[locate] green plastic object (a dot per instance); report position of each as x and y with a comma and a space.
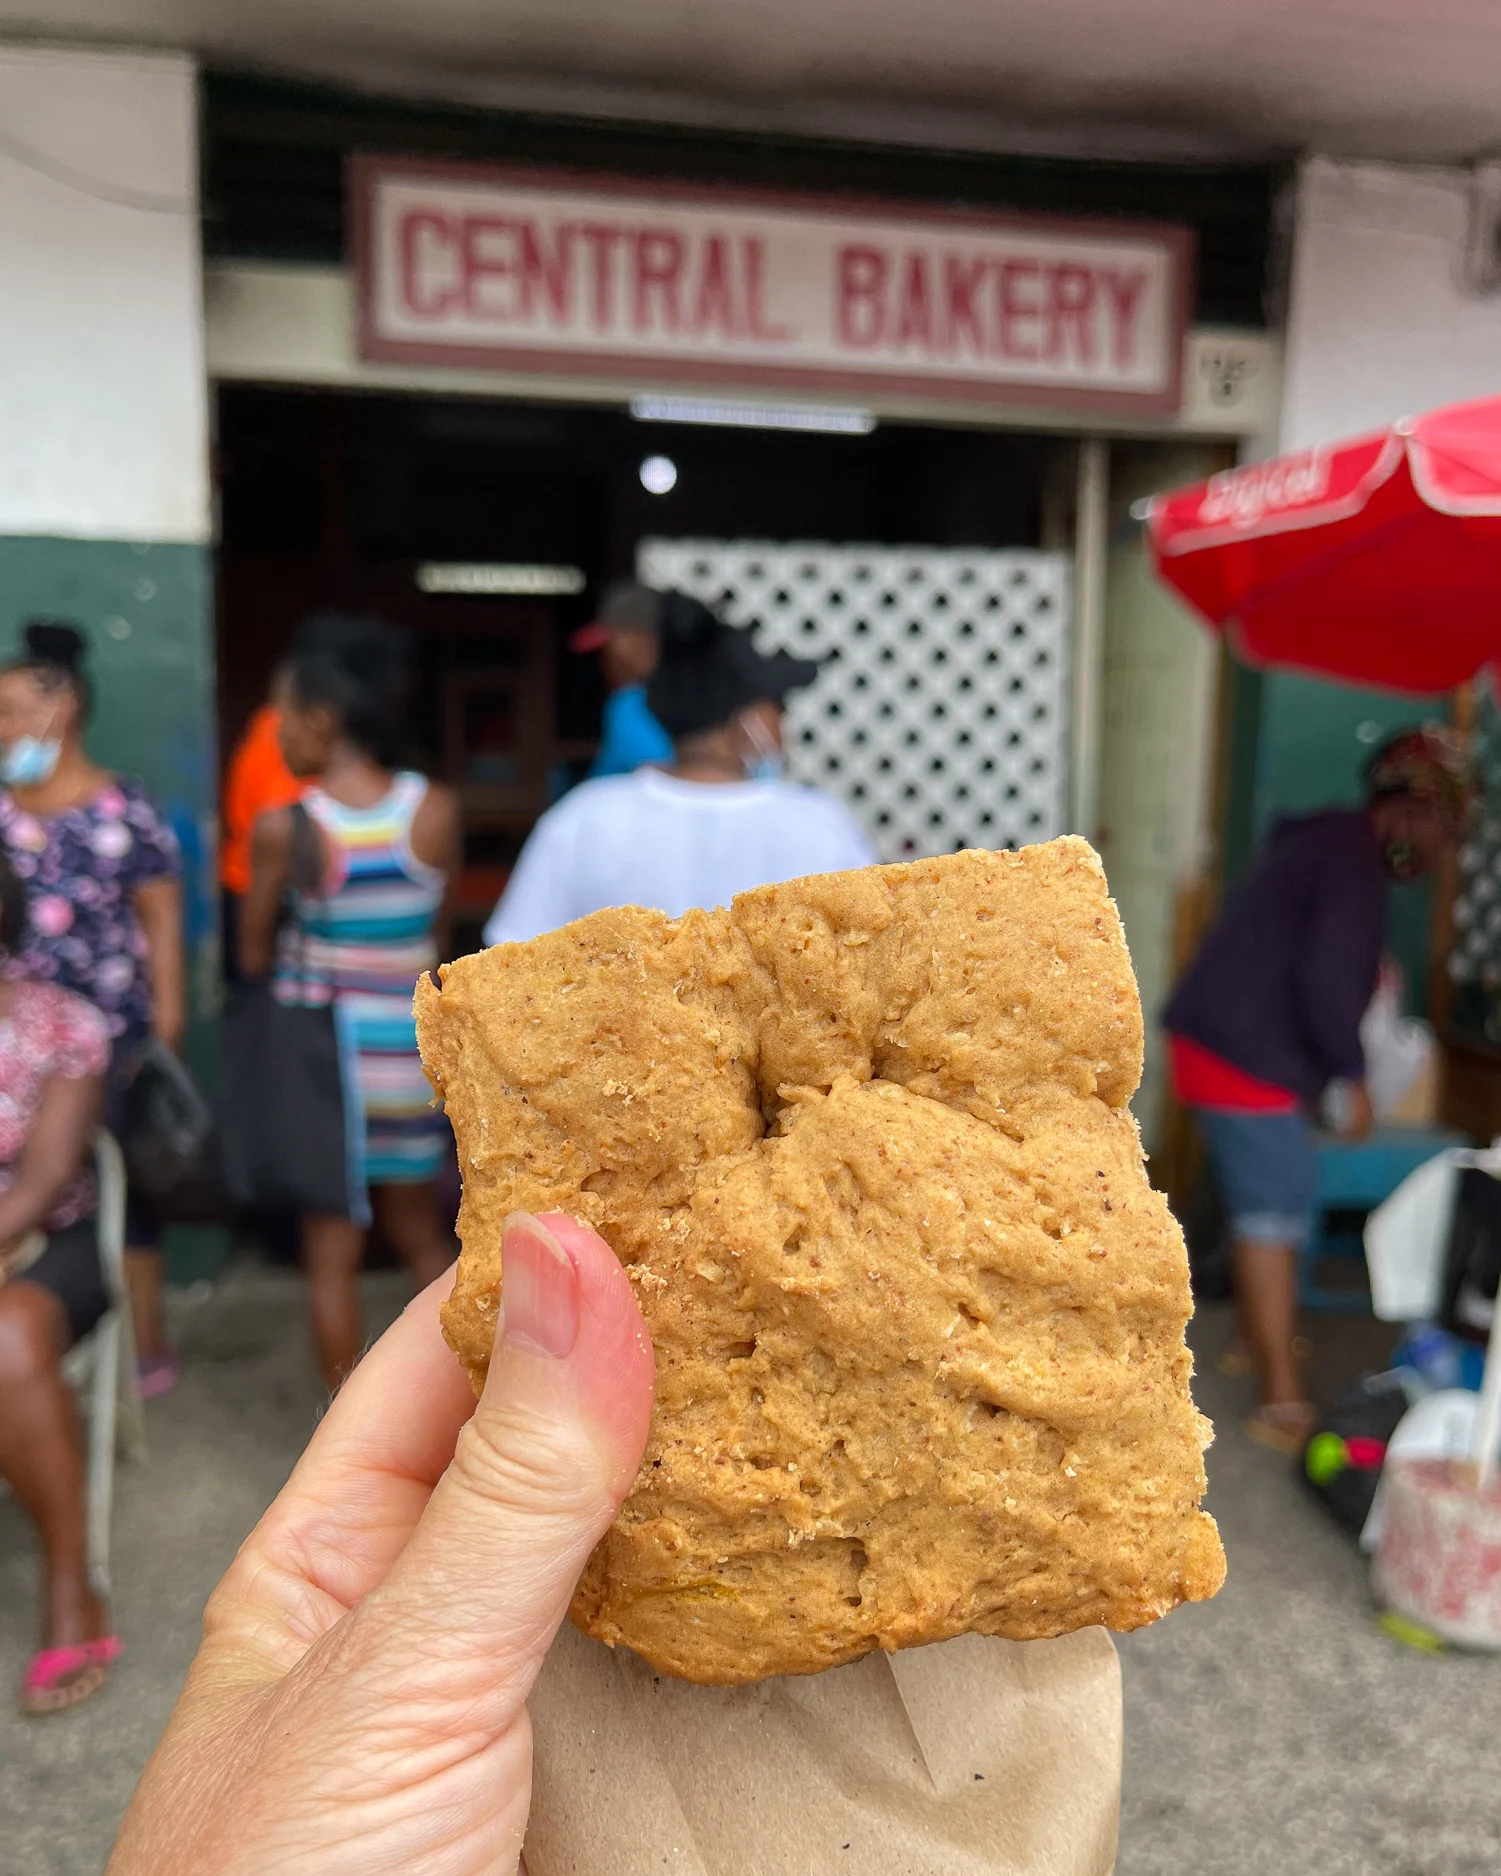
1326, 1457
1411, 1634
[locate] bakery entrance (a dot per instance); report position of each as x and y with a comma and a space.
489, 530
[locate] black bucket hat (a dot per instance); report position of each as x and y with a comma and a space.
708, 671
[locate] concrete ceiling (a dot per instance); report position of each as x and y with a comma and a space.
1377, 78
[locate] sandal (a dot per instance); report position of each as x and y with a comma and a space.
58, 1678
1283, 1426
1235, 1358
158, 1375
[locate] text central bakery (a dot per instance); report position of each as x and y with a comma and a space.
614, 279
490, 267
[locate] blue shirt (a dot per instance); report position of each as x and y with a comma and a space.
632, 735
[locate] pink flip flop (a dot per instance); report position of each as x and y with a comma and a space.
159, 1375
47, 1687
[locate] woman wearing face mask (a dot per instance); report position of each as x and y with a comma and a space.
101, 868
719, 821
1269, 1013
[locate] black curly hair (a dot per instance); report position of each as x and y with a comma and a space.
356, 669
56, 653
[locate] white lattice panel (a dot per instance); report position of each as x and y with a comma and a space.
940, 717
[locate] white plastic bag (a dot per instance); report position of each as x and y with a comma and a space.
1440, 1426
1401, 1061
1398, 1049
1406, 1236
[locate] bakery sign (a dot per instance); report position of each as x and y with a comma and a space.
536, 271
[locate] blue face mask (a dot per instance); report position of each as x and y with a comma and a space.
766, 769
30, 761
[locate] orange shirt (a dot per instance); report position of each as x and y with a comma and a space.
257, 781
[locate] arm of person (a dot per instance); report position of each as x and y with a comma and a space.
56, 1146
270, 857
438, 841
158, 904
1360, 1116
346, 1692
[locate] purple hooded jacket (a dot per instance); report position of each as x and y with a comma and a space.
1281, 982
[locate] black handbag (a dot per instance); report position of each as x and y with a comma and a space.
1472, 1257
1343, 1459
168, 1138
291, 1130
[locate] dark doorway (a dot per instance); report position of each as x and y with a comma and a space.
332, 500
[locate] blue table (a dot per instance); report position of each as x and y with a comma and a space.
1357, 1176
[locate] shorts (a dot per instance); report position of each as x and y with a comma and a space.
70, 1269
1266, 1170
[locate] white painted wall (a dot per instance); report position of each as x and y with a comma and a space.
1379, 324
103, 401
1157, 743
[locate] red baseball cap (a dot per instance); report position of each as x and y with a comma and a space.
627, 606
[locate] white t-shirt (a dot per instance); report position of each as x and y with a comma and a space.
650, 839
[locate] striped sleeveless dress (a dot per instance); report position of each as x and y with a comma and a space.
362, 946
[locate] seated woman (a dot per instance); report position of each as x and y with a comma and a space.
54, 1049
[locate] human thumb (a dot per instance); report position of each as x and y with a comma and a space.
537, 1477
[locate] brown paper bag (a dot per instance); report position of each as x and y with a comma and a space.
973, 1757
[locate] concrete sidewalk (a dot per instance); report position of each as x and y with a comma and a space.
1273, 1732
1276, 1731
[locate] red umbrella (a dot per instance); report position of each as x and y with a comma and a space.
1378, 561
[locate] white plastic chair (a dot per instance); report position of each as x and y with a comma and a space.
102, 1365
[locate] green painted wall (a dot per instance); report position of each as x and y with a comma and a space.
148, 612
1312, 740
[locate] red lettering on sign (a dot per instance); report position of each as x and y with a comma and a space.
424, 231
714, 307
1123, 291
828, 294
1011, 310
489, 248
601, 240
1070, 304
914, 318
659, 262
860, 302
757, 325
551, 271
962, 323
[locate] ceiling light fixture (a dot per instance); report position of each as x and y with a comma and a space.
482, 578
659, 475
834, 419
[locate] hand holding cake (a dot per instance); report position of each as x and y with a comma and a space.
358, 1699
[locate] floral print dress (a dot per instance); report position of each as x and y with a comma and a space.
47, 1032
82, 869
